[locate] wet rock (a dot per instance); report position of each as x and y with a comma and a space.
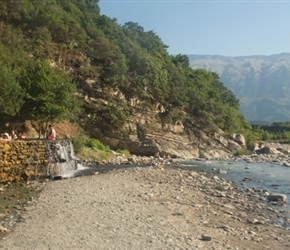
220, 171
247, 179
57, 178
275, 197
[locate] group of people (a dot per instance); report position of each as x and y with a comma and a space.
51, 135
7, 137
157, 156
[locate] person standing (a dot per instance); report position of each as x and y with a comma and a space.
13, 135
51, 133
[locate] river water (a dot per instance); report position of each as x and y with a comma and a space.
263, 176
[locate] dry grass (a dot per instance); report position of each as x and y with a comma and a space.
67, 130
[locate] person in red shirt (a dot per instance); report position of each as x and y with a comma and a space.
51, 133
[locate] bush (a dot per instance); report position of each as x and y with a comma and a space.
91, 149
124, 152
79, 143
95, 143
243, 152
92, 154
173, 116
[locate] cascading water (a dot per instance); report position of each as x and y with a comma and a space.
61, 159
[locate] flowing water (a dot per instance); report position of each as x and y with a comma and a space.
62, 160
263, 176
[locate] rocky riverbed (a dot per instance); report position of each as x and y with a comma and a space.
150, 207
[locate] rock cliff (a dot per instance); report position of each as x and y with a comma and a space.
144, 134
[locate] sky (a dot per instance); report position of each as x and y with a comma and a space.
227, 28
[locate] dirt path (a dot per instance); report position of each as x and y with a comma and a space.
146, 208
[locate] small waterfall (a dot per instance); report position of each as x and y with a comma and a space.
61, 159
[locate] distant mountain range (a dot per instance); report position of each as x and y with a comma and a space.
261, 83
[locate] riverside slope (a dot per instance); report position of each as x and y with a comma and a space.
147, 208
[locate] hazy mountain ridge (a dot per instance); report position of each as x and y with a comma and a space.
261, 83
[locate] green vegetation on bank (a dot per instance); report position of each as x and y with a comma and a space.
93, 149
243, 152
277, 131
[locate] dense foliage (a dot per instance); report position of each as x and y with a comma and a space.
276, 131
49, 95
72, 36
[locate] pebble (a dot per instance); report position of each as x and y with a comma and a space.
125, 208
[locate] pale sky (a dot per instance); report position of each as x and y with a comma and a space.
228, 28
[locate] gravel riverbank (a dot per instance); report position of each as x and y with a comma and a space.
147, 208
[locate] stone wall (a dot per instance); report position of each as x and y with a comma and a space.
22, 160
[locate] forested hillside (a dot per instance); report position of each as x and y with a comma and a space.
62, 60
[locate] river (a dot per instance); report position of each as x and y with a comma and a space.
263, 176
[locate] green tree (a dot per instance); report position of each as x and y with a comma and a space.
12, 47
50, 96
11, 94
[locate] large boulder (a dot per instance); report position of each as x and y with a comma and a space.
275, 197
263, 150
233, 146
268, 150
239, 139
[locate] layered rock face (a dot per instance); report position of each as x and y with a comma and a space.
145, 135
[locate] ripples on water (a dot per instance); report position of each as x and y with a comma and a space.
264, 176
